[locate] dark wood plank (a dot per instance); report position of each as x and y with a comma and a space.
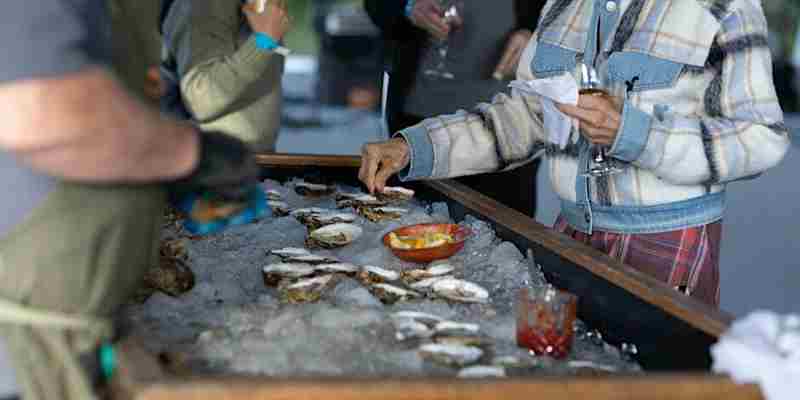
668, 387
307, 160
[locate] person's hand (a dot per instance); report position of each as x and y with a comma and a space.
428, 16
510, 60
379, 161
273, 22
154, 86
600, 117
226, 168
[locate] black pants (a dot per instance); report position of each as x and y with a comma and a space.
515, 189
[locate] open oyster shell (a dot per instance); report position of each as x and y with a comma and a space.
333, 236
275, 273
312, 189
389, 294
279, 208
482, 372
378, 214
372, 275
274, 195
306, 290
316, 221
364, 200
451, 354
395, 194
416, 275
337, 268
460, 290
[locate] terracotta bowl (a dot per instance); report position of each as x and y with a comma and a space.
423, 256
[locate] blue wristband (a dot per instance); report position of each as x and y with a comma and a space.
409, 8
264, 42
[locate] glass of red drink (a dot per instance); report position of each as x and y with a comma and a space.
545, 319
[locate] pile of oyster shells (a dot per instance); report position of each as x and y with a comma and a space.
303, 277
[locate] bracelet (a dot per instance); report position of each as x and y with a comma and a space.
265, 42
409, 8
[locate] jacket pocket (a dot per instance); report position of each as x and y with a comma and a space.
552, 60
643, 71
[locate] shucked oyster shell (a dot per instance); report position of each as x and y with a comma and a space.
460, 290
377, 214
274, 273
311, 259
316, 221
371, 275
425, 318
337, 268
482, 371
389, 294
364, 200
415, 275
306, 290
426, 284
406, 329
312, 189
451, 354
302, 213
394, 194
332, 236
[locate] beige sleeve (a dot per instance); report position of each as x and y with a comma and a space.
215, 70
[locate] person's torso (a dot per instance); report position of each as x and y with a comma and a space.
26, 189
253, 116
473, 53
654, 56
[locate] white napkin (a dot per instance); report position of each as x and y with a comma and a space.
560, 89
762, 348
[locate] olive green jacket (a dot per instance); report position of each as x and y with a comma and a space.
227, 83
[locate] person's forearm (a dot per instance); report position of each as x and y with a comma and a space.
85, 127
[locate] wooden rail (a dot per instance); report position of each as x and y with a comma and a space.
660, 387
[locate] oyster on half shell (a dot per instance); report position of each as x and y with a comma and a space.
460, 290
395, 194
407, 329
306, 290
415, 275
337, 268
275, 273
451, 354
453, 328
316, 221
289, 252
312, 189
311, 259
364, 200
274, 195
333, 236
389, 294
482, 372
426, 285
372, 275
378, 214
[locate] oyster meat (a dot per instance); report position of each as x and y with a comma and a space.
389, 294
451, 354
482, 372
415, 275
279, 208
460, 290
395, 194
306, 290
371, 275
337, 268
312, 189
332, 236
274, 273
377, 214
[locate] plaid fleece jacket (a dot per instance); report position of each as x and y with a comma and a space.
700, 107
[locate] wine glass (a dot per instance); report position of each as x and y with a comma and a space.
592, 85
453, 13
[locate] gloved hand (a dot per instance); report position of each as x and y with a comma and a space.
223, 189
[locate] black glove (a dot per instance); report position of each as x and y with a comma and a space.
226, 168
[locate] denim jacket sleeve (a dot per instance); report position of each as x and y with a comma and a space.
740, 132
500, 135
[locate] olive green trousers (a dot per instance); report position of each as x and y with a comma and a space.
77, 257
